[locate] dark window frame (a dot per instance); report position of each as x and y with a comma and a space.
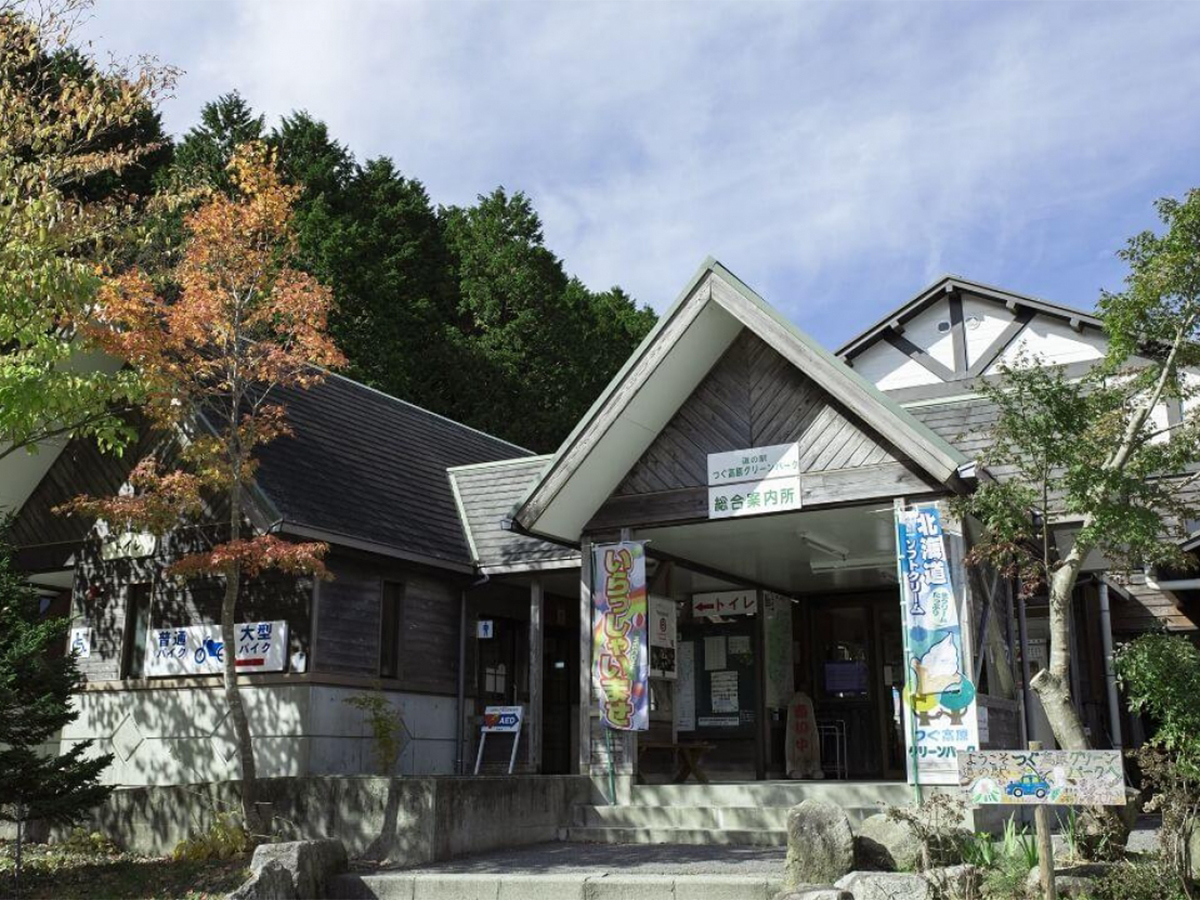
132, 664
391, 628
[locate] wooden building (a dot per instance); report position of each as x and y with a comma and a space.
462, 564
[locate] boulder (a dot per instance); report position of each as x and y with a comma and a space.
296, 870
887, 845
1070, 881
820, 844
886, 886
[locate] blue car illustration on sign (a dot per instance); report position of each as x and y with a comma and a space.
1028, 785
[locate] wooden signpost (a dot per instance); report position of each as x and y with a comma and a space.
1043, 778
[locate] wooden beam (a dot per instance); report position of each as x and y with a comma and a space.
1000, 344
958, 335
915, 353
537, 615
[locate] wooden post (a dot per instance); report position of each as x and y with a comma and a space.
537, 614
1041, 820
585, 657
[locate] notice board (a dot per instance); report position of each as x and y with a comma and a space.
725, 679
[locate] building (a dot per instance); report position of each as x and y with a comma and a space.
464, 567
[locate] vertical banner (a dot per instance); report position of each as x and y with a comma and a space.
777, 621
619, 640
939, 698
685, 688
662, 638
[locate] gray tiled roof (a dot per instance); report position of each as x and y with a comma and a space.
368, 466
488, 495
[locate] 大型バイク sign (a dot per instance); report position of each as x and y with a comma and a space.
199, 650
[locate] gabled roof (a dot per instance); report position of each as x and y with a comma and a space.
487, 494
950, 283
365, 468
688, 339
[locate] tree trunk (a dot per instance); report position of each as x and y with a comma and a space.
1053, 684
20, 836
233, 699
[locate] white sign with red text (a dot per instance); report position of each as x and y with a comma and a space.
725, 603
198, 649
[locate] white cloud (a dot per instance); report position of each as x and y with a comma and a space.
836, 156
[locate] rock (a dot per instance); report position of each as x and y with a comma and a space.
820, 844
1070, 881
886, 886
961, 882
886, 845
272, 882
296, 870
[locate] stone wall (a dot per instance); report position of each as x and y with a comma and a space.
409, 821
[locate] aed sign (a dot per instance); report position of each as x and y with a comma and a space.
754, 481
502, 719
199, 650
725, 603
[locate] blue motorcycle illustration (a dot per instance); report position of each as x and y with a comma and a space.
212, 648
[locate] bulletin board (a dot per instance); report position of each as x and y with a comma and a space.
725, 679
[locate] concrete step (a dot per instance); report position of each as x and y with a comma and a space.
577, 886
754, 818
735, 837
786, 794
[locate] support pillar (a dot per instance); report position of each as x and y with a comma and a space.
1110, 673
585, 657
537, 615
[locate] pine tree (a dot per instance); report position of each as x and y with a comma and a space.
36, 683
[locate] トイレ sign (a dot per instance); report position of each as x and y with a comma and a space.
199, 650
1032, 777
754, 481
725, 603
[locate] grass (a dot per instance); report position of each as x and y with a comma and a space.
70, 871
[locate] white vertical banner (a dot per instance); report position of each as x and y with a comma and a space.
685, 687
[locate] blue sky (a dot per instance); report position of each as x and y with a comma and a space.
837, 157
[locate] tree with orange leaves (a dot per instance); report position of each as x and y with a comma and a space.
240, 324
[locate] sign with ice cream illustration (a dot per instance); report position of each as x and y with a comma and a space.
939, 708
1030, 777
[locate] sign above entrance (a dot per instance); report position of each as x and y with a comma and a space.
754, 481
725, 603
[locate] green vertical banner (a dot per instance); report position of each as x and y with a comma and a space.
620, 646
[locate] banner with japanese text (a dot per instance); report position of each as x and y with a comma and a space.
939, 698
199, 650
620, 646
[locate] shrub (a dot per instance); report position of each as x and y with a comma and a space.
1138, 881
225, 838
387, 729
937, 825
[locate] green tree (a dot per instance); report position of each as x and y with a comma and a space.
75, 136
203, 155
36, 683
1092, 451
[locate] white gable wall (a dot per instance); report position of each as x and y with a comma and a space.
983, 322
1055, 342
890, 369
922, 330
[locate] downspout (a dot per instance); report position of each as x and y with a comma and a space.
460, 731
1110, 674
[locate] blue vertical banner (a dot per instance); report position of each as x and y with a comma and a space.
620, 649
941, 719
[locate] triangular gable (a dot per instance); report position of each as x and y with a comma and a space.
976, 325
706, 320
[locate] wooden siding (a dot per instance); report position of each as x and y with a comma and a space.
348, 612
429, 660
753, 397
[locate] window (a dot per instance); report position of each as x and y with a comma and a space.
389, 633
137, 625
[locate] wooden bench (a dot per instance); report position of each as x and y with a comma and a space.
686, 755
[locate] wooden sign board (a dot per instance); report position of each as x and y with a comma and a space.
1043, 777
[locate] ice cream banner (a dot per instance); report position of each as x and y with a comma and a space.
939, 709
620, 651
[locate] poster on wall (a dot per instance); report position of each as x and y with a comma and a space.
621, 668
723, 691
662, 638
198, 649
777, 623
685, 687
939, 710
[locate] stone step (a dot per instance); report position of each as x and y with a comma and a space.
739, 837
847, 794
577, 886
754, 818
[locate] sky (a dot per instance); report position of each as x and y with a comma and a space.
837, 157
